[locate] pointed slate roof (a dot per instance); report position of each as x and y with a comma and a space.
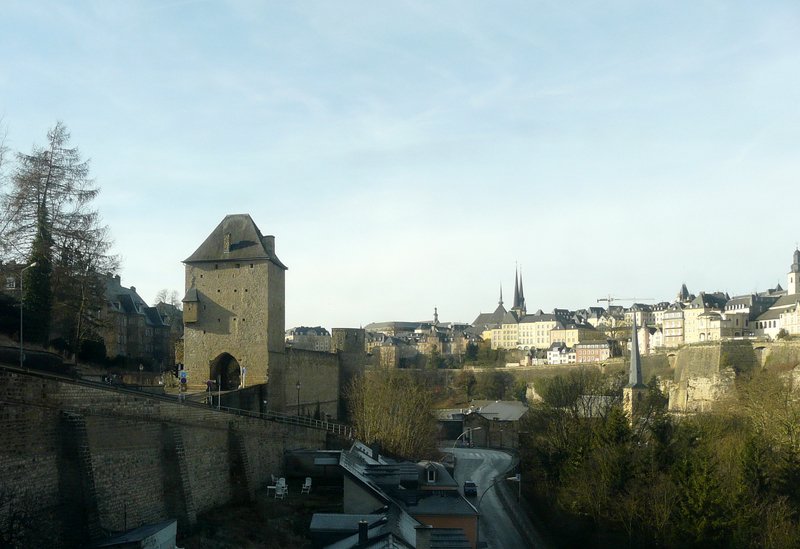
635, 377
244, 244
516, 304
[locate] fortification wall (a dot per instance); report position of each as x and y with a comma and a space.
318, 375
704, 374
77, 460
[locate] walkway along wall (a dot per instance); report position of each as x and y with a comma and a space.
79, 461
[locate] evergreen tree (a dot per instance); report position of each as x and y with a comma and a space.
38, 298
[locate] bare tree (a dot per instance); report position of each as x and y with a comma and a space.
395, 409
49, 218
170, 297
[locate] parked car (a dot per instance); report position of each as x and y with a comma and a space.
470, 488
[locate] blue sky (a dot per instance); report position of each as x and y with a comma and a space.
407, 154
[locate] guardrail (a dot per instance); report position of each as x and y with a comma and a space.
340, 429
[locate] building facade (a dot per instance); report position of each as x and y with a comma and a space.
314, 338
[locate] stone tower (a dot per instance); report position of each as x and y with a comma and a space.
794, 275
634, 392
234, 312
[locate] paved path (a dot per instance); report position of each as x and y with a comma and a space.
495, 527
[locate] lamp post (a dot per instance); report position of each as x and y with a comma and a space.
298, 396
21, 308
469, 430
515, 478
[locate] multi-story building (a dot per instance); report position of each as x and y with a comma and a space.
673, 325
593, 351
643, 314
534, 330
314, 338
131, 329
172, 316
658, 313
571, 334
700, 305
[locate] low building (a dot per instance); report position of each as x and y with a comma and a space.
559, 353
495, 424
423, 491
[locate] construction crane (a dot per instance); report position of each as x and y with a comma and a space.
609, 299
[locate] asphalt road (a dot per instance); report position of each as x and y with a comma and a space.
494, 527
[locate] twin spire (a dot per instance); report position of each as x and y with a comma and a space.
519, 293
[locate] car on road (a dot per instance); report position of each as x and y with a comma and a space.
470, 488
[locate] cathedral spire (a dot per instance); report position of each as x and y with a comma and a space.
521, 293
516, 289
501, 295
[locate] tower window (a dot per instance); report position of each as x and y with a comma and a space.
216, 265
238, 265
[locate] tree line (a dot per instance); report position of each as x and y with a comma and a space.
728, 478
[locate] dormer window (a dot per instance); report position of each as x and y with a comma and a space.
431, 475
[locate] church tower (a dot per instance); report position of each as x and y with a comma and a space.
794, 275
634, 392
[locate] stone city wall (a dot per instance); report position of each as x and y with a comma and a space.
78, 461
318, 375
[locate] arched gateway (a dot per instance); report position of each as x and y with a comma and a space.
225, 369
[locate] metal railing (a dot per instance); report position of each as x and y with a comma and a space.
340, 429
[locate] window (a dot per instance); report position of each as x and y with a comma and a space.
238, 265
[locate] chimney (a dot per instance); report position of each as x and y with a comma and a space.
363, 532
423, 536
118, 279
269, 244
133, 289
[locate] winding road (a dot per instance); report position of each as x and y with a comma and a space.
495, 527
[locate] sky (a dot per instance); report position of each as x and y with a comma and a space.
408, 155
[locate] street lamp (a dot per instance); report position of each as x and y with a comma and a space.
298, 396
21, 308
515, 478
469, 430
